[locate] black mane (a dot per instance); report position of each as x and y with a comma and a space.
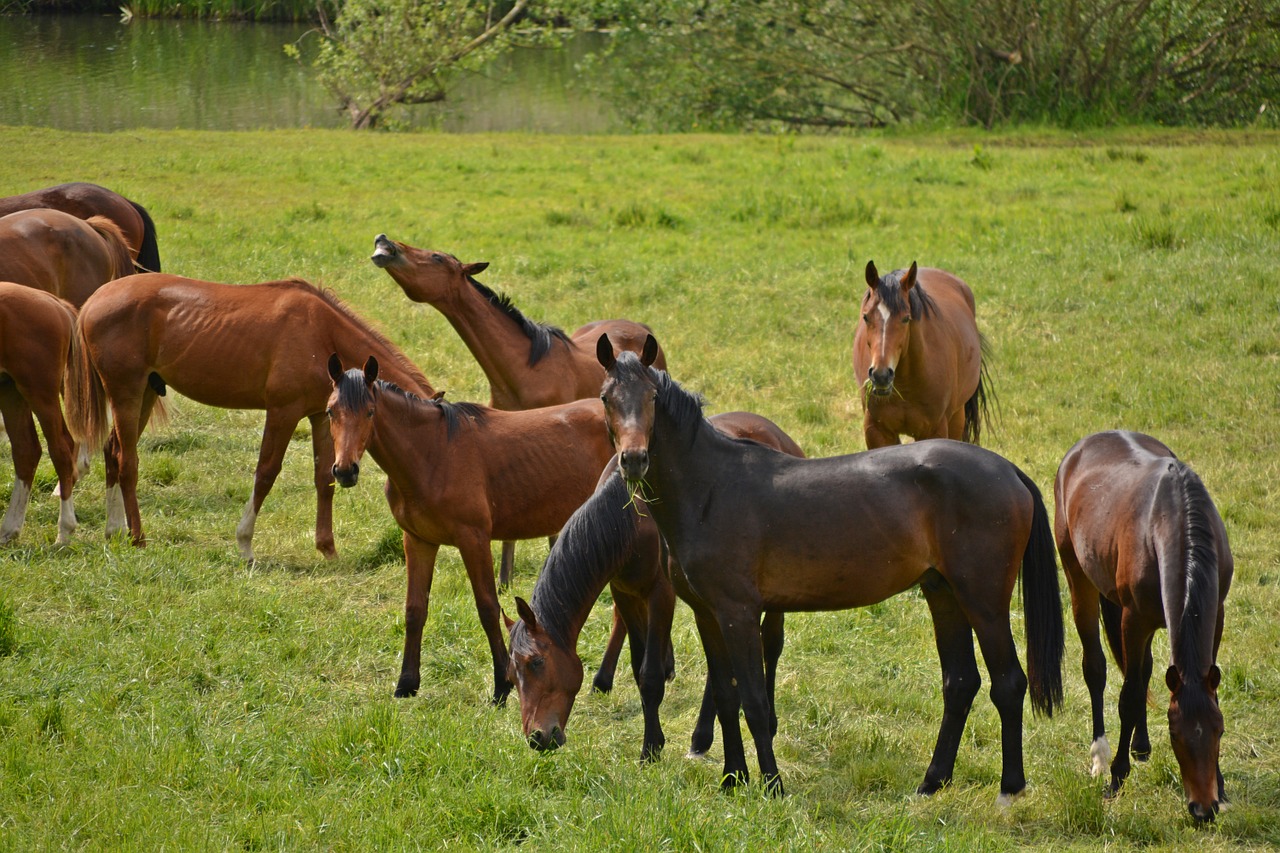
1200, 607
682, 405
890, 290
353, 392
540, 335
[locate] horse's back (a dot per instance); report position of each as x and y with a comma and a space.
757, 428
625, 335
32, 322
83, 200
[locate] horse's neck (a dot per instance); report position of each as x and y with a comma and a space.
496, 341
684, 461
403, 431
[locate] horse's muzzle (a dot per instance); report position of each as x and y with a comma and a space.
384, 251
881, 381
634, 463
543, 742
1201, 814
346, 477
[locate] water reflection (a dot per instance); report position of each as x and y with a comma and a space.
97, 74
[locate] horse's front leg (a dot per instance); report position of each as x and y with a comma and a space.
740, 627
1133, 695
875, 433
276, 433
420, 566
323, 454
478, 559
603, 680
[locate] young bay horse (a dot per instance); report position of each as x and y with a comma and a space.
261, 346
1142, 542
611, 539
528, 364
37, 337
463, 475
85, 200
755, 530
62, 254
920, 358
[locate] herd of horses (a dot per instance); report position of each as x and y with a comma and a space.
587, 440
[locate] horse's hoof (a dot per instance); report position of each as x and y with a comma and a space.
1005, 800
405, 691
696, 754
601, 685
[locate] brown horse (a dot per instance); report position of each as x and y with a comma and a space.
37, 337
1142, 542
62, 254
611, 539
462, 474
88, 200
258, 346
755, 530
529, 365
920, 357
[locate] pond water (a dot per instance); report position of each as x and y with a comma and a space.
95, 73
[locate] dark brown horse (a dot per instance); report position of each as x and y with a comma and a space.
85, 201
611, 539
463, 475
755, 530
920, 358
62, 254
528, 364
260, 346
1142, 543
37, 337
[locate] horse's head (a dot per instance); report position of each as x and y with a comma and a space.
886, 315
351, 408
423, 275
629, 392
1195, 727
547, 676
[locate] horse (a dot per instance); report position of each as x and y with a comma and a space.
260, 346
85, 201
611, 539
1142, 543
62, 254
463, 475
755, 530
528, 364
37, 338
920, 357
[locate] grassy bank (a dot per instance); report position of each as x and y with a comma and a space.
176, 697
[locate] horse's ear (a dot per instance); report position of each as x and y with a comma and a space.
1213, 678
873, 275
909, 280
370, 371
650, 351
1172, 680
335, 367
604, 352
437, 397
526, 613
508, 621
472, 269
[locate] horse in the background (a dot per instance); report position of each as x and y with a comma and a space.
85, 201
920, 358
261, 346
37, 337
611, 539
62, 254
1142, 542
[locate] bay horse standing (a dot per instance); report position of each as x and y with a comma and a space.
463, 475
755, 530
37, 337
528, 364
920, 357
261, 346
1142, 543
62, 254
611, 539
85, 200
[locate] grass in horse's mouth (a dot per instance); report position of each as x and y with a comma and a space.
869, 388
638, 489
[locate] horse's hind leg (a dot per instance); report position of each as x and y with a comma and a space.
960, 678
62, 450
507, 567
603, 680
322, 451
1085, 607
25, 444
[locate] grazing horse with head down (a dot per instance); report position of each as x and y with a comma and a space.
920, 358
85, 200
1142, 543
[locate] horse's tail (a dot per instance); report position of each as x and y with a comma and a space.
84, 394
118, 248
149, 252
977, 408
1042, 609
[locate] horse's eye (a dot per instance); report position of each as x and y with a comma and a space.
535, 664
866, 318
328, 413
906, 319
369, 413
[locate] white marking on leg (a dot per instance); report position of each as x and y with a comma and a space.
17, 511
244, 531
66, 521
116, 520
1100, 757
1004, 801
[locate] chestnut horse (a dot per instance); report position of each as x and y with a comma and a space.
62, 254
528, 364
37, 337
85, 201
1142, 542
611, 539
920, 357
756, 530
260, 346
462, 474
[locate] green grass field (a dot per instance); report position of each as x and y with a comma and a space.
176, 698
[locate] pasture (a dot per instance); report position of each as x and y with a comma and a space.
177, 697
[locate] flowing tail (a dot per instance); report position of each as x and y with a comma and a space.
149, 252
1042, 609
976, 408
117, 246
84, 395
